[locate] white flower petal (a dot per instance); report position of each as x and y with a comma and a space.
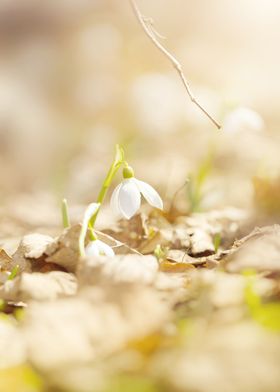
149, 193
99, 248
115, 199
90, 211
105, 249
129, 198
92, 249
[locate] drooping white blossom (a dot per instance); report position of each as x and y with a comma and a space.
126, 198
99, 248
90, 211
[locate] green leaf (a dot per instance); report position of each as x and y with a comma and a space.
20, 379
266, 314
126, 383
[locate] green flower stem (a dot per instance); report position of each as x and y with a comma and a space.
65, 214
90, 211
93, 209
118, 161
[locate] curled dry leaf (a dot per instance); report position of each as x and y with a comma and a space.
193, 234
201, 243
176, 261
173, 237
143, 233
5, 266
5, 260
227, 222
31, 249
119, 247
260, 250
39, 287
130, 232
64, 251
122, 268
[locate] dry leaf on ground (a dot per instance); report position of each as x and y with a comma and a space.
260, 251
39, 286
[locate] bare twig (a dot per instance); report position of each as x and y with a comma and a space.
151, 25
147, 26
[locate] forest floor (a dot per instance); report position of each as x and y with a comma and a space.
188, 303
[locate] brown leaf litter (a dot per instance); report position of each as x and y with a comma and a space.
180, 320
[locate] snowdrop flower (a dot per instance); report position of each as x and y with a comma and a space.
126, 198
95, 247
244, 120
99, 248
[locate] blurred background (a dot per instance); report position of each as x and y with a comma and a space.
76, 77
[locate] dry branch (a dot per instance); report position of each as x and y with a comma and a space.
148, 28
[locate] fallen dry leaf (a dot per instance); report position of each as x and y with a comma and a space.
64, 251
260, 250
31, 248
5, 260
122, 268
39, 286
95, 323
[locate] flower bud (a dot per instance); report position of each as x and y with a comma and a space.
128, 172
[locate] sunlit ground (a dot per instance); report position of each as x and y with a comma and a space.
78, 77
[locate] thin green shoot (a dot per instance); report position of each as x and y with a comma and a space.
118, 161
217, 241
14, 272
90, 211
160, 253
65, 214
197, 181
2, 305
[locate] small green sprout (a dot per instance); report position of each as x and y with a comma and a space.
217, 241
14, 272
196, 183
2, 305
65, 214
266, 314
160, 253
